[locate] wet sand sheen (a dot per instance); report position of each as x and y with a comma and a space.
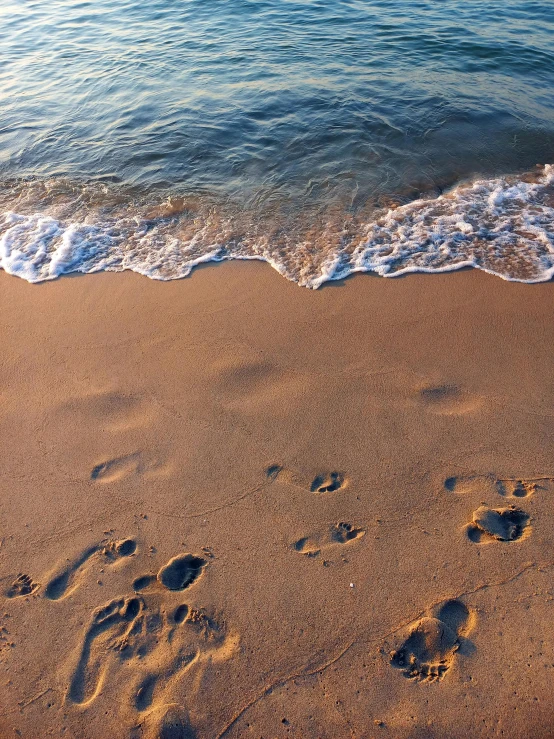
231, 507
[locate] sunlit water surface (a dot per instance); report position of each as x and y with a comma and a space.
324, 137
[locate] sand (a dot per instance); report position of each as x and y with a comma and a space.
233, 507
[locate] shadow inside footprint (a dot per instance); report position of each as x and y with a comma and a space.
307, 546
440, 393
450, 484
448, 399
329, 483
454, 614
517, 488
181, 571
123, 548
180, 614
114, 469
145, 693
143, 582
22, 585
272, 472
522, 489
168, 722
339, 533
110, 629
501, 524
429, 650
61, 584
344, 532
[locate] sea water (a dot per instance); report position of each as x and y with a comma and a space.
324, 137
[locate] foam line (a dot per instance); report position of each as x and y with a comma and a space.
504, 226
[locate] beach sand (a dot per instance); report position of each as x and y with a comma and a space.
356, 484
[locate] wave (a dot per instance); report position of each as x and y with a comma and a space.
504, 226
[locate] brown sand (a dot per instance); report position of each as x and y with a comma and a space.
342, 468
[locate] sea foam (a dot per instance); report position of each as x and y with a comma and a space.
504, 226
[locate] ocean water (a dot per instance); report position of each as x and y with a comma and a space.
322, 136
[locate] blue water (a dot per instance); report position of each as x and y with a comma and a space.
264, 123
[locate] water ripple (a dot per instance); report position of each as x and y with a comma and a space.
301, 107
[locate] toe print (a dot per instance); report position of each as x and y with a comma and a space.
22, 585
429, 650
323, 482
339, 533
327, 483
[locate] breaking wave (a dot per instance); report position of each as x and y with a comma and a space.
504, 226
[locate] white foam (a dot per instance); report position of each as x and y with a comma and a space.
504, 226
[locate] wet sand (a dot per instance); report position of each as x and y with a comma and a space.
233, 507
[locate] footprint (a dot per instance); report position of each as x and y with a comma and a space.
145, 649
120, 467
5, 642
308, 546
273, 471
143, 582
168, 721
490, 484
180, 614
181, 571
448, 399
500, 524
509, 488
114, 410
122, 548
478, 484
110, 632
178, 574
329, 482
432, 642
22, 585
154, 681
65, 582
188, 637
344, 532
325, 482
339, 533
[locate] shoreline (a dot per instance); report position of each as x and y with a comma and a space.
502, 226
324, 457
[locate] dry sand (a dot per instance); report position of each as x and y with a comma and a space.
357, 484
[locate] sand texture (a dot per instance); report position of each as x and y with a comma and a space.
232, 507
